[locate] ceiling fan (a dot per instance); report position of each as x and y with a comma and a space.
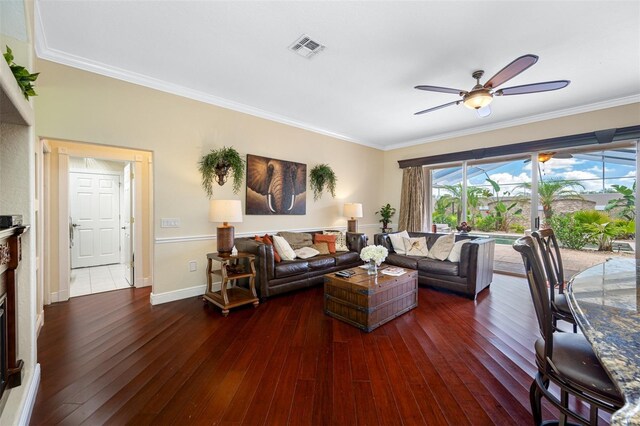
481, 95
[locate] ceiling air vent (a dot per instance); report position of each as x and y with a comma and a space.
306, 47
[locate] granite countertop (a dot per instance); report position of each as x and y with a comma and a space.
605, 300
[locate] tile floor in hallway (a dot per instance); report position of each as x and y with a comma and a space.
97, 279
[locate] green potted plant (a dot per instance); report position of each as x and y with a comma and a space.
322, 176
217, 165
386, 212
22, 76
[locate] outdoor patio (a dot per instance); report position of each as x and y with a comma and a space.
509, 261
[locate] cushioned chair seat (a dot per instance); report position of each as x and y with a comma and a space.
346, 257
321, 262
576, 362
404, 261
441, 267
287, 268
561, 304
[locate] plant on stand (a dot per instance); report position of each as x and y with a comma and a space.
386, 212
217, 165
375, 255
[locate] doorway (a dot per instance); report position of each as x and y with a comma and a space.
100, 221
94, 174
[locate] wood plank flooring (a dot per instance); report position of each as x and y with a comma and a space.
112, 358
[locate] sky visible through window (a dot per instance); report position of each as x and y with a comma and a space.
596, 171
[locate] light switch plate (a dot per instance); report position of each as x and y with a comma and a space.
170, 222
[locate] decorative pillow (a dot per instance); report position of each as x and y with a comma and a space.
454, 256
323, 248
297, 239
306, 252
442, 247
341, 240
397, 242
268, 241
329, 239
416, 246
283, 248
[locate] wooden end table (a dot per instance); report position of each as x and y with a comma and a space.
230, 296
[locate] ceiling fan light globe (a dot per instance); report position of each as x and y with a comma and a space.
477, 99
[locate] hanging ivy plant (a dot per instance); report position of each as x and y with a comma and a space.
217, 165
22, 76
322, 176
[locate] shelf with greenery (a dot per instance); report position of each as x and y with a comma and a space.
321, 177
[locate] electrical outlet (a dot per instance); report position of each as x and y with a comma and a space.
193, 266
170, 222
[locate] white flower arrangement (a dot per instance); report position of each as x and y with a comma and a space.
376, 253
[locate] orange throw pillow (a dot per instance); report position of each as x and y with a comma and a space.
329, 239
267, 240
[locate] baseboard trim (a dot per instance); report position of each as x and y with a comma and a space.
172, 296
30, 400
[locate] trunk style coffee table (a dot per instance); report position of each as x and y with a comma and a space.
368, 301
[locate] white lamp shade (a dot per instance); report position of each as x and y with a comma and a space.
225, 211
353, 209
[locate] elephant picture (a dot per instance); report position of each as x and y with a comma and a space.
275, 187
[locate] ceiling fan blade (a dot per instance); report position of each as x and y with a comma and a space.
510, 71
533, 88
438, 107
484, 112
442, 90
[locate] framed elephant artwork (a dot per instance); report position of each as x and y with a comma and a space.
275, 187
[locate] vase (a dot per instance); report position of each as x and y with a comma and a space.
373, 268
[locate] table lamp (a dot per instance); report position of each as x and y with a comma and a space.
353, 210
225, 211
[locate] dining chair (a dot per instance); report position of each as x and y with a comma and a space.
552, 261
565, 359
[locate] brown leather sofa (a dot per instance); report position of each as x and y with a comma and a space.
472, 274
275, 278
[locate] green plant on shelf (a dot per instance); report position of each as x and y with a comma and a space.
23, 77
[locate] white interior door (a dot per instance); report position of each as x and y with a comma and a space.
95, 207
126, 224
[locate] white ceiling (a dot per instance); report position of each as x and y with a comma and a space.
360, 88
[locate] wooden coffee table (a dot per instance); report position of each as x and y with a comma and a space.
368, 301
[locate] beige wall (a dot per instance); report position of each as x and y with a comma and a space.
81, 106
622, 116
103, 152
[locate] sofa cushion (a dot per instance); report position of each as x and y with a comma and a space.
454, 256
291, 267
323, 248
397, 242
346, 257
266, 239
329, 239
341, 240
321, 262
284, 249
442, 247
297, 239
416, 246
306, 252
440, 267
410, 262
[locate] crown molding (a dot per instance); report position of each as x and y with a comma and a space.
520, 121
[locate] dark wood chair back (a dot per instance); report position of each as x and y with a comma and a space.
539, 291
551, 257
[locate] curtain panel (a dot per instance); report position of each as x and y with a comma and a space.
412, 211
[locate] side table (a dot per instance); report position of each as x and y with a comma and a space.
230, 295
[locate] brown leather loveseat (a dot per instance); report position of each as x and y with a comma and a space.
275, 278
469, 276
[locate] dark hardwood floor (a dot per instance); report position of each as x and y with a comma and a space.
112, 358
